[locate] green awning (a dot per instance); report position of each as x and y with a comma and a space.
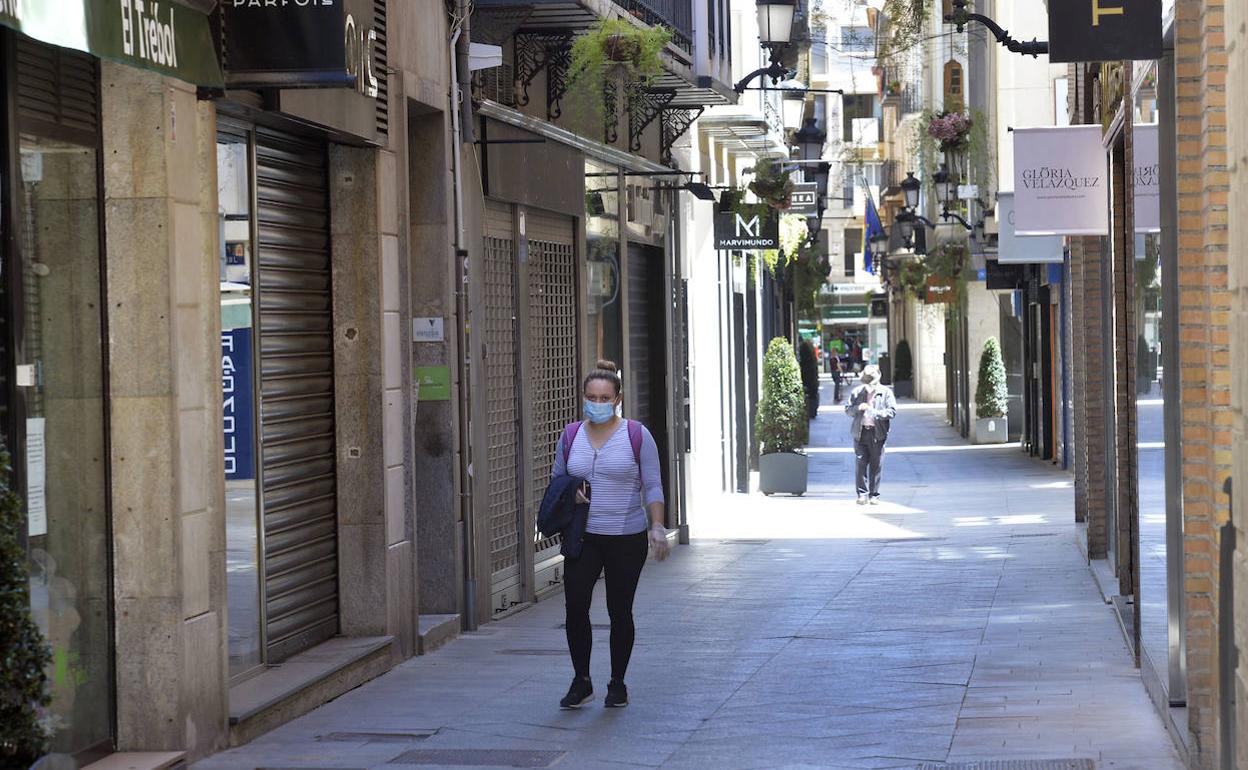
157, 35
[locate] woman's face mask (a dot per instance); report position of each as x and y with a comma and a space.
599, 413
601, 401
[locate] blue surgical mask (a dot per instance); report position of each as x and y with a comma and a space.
599, 413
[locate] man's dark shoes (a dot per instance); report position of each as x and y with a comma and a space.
580, 693
617, 695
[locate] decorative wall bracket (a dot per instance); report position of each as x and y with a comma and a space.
537, 51
644, 105
674, 122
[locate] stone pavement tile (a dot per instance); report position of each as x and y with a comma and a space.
957, 621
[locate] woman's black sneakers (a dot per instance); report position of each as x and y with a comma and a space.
617, 695
580, 693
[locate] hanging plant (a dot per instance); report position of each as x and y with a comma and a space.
912, 278
952, 130
773, 185
615, 48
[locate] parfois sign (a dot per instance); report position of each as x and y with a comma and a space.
301, 44
756, 229
1104, 30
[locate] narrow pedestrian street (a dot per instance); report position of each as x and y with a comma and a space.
955, 622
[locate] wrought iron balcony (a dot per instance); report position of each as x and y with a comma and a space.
501, 18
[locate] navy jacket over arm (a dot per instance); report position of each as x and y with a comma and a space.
560, 513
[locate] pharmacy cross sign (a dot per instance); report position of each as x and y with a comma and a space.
757, 229
1104, 30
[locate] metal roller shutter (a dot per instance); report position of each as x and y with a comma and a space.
296, 392
552, 369
502, 413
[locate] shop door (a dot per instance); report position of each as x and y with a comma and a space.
53, 391
499, 335
646, 372
552, 335
296, 386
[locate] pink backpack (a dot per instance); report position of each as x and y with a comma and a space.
634, 438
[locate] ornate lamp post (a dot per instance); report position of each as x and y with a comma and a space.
775, 32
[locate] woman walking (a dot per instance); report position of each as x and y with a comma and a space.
620, 461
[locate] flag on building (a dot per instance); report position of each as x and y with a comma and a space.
874, 227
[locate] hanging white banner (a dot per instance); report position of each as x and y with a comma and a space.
1060, 181
1147, 179
1014, 249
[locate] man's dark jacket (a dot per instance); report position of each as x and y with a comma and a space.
561, 513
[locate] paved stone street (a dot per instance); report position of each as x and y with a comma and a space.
956, 622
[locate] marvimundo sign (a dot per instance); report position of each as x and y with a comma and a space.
158, 35
755, 229
1060, 181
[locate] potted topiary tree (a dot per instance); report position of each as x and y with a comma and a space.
781, 423
903, 371
992, 397
23, 678
809, 366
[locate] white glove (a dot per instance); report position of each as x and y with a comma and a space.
658, 541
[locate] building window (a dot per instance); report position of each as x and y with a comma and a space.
819, 57
856, 107
857, 40
853, 247
953, 85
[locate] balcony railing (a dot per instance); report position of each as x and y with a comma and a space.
676, 15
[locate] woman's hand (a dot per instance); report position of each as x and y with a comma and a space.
658, 541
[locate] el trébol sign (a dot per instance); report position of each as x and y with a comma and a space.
1104, 30
756, 229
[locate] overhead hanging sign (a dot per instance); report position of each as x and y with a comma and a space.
160, 36
1022, 249
804, 199
301, 44
1060, 181
940, 291
1147, 203
757, 228
1104, 30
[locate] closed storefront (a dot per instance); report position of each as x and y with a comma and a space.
53, 395
530, 335
278, 381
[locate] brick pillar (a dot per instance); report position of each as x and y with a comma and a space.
1200, 59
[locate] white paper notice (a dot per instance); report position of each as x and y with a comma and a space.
36, 478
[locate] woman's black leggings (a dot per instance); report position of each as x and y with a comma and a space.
621, 557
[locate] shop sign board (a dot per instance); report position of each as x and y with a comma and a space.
301, 44
998, 276
940, 291
846, 313
1147, 187
1022, 249
755, 230
1104, 30
804, 199
164, 37
1060, 181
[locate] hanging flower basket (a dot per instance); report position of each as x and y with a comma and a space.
773, 186
952, 130
622, 49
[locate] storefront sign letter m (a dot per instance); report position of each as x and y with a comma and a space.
753, 228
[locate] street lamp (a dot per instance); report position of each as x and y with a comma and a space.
775, 22
793, 103
819, 174
809, 140
879, 242
814, 224
775, 31
910, 190
945, 188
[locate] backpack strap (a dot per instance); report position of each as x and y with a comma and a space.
635, 438
569, 436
